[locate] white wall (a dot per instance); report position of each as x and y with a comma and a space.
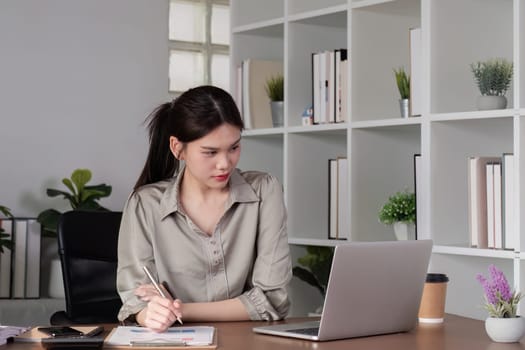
77, 79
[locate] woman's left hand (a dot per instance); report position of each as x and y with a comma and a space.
147, 291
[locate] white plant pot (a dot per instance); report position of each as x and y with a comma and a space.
56, 282
505, 330
404, 231
491, 102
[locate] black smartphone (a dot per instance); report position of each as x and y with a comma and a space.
61, 331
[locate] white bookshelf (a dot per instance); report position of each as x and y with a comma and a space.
379, 144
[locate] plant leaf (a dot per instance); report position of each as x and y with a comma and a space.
69, 185
80, 178
49, 220
51, 192
6, 211
308, 277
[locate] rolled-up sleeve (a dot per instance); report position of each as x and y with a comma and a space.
267, 299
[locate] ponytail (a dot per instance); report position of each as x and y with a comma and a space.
160, 164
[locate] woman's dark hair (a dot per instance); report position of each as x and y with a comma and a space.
190, 116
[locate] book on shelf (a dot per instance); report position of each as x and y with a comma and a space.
329, 86
238, 90
477, 199
416, 74
343, 199
19, 258
5, 261
343, 92
507, 201
316, 86
418, 191
491, 209
332, 198
256, 111
341, 85
32, 281
498, 228
338, 208
20, 266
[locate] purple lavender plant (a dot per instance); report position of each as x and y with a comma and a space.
500, 301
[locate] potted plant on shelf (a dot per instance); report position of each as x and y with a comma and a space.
316, 268
493, 78
5, 238
275, 90
400, 211
403, 85
502, 325
80, 197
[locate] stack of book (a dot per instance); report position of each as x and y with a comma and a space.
338, 199
330, 86
490, 202
20, 266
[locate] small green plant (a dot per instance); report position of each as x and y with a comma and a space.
401, 207
80, 197
5, 239
275, 88
318, 261
493, 76
403, 83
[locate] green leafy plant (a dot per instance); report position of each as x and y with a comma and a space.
275, 88
318, 261
493, 76
5, 239
500, 300
80, 197
400, 207
403, 82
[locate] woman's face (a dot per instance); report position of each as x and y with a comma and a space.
211, 159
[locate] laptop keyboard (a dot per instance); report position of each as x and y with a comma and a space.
307, 331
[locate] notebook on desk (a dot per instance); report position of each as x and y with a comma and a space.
374, 288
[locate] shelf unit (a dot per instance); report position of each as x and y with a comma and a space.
379, 144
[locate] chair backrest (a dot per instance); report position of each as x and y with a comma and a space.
87, 242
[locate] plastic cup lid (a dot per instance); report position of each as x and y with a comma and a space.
436, 278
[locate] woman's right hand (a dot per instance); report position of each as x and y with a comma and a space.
160, 313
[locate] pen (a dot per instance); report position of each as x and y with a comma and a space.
157, 287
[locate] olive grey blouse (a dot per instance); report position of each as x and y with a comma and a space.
247, 256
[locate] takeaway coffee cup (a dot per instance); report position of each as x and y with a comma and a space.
432, 307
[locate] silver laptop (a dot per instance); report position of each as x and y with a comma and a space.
374, 288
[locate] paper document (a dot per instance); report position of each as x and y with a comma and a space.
140, 336
10, 331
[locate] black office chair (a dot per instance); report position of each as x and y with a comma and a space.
87, 242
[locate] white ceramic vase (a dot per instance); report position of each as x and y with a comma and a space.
505, 330
404, 231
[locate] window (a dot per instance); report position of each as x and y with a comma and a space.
199, 39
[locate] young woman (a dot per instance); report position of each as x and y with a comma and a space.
213, 235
